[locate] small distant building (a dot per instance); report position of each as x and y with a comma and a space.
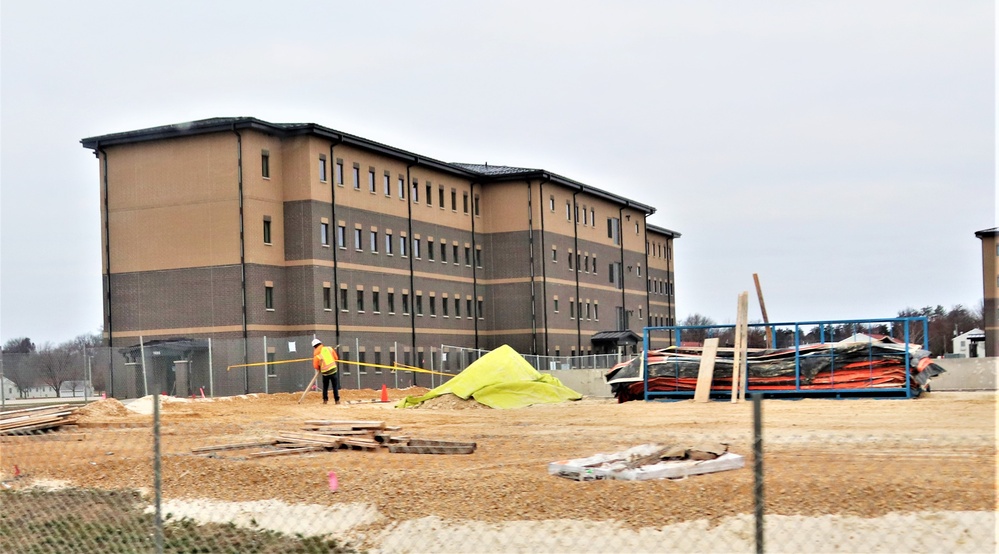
10, 391
40, 390
970, 344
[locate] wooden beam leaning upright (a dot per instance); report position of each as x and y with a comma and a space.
763, 309
706, 372
739, 352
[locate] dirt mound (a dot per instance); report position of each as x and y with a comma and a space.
451, 402
106, 407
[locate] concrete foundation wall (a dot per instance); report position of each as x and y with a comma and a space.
966, 374
588, 382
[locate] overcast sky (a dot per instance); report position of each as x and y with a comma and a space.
844, 151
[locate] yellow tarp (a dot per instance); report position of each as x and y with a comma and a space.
501, 379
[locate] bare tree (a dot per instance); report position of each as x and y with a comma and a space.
56, 365
695, 335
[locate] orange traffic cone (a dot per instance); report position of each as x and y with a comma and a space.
384, 393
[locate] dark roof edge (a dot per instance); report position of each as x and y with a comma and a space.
567, 182
987, 232
662, 231
228, 124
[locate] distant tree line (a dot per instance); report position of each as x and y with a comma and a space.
28, 366
943, 326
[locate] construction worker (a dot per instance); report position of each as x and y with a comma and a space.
324, 360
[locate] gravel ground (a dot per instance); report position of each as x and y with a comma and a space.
823, 458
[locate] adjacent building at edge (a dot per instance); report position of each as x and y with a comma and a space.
237, 228
990, 285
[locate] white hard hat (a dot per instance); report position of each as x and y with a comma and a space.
316, 342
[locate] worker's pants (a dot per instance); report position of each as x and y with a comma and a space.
331, 379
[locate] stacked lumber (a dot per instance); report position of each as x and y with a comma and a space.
29, 420
328, 435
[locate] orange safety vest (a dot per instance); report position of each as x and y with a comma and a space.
325, 360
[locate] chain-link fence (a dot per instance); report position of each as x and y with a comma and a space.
276, 472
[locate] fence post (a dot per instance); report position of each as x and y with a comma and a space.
211, 371
758, 468
157, 477
142, 354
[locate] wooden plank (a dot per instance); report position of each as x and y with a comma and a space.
347, 423
16, 413
763, 309
272, 453
406, 449
336, 431
707, 370
311, 438
44, 437
429, 442
739, 354
233, 446
33, 419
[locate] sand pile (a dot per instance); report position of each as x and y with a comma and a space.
109, 407
451, 402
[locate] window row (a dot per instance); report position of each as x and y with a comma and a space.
386, 241
585, 310
660, 286
658, 249
363, 300
658, 320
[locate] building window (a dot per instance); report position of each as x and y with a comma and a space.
388, 243
440, 196
593, 218
554, 255
267, 230
551, 203
464, 202
405, 303
613, 229
468, 308
271, 370
341, 236
419, 304
478, 257
596, 311
339, 172
572, 309
402, 188
568, 211
324, 234
587, 309
371, 181
357, 239
375, 302
586, 264
570, 260
357, 177
555, 302
639, 312
269, 297
327, 299
387, 185
391, 302
454, 253
585, 220
457, 307
322, 168
265, 164
443, 252
343, 300
374, 242
454, 200
430, 200
402, 246
430, 249
360, 301
416, 191
639, 268
478, 308
476, 201
433, 306
444, 307
416, 248
468, 256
